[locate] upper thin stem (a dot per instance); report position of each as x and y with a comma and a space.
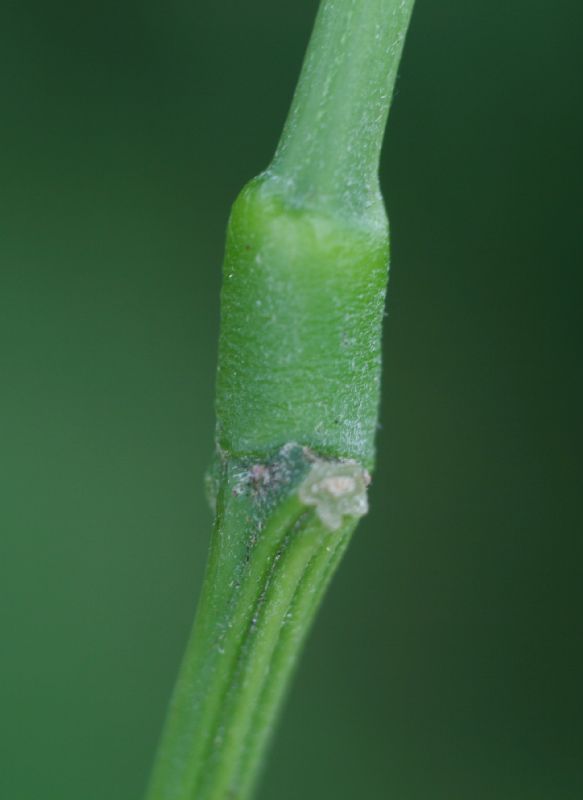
330, 148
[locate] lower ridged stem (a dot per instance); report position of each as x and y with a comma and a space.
260, 595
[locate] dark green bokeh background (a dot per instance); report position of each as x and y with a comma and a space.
446, 664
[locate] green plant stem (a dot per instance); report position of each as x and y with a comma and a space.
305, 275
331, 144
259, 597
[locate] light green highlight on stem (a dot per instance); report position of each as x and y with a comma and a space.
300, 345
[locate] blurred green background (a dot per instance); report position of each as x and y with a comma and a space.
447, 662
